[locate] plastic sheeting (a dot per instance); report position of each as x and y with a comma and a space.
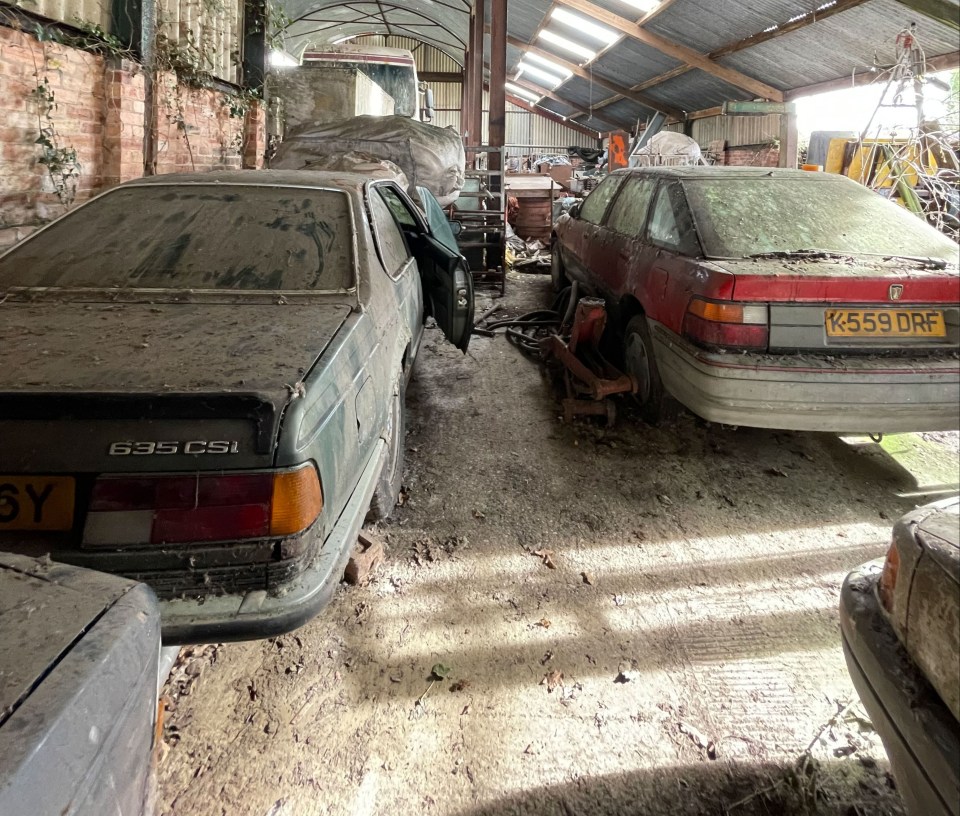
666, 148
429, 156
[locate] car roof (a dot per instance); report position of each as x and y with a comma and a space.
706, 171
269, 178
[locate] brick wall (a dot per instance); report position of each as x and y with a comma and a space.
758, 155
99, 110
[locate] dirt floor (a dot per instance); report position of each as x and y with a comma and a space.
571, 620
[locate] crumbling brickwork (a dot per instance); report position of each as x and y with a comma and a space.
96, 106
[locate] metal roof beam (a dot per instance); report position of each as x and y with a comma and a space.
672, 49
942, 11
747, 42
589, 76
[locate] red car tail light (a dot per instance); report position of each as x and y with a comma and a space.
202, 507
726, 325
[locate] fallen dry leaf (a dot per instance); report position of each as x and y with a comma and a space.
544, 623
699, 739
587, 578
552, 679
460, 685
775, 471
546, 556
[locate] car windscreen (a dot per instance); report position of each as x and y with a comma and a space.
740, 217
223, 237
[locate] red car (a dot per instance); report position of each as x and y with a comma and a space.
772, 298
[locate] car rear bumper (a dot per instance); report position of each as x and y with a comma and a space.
810, 392
920, 734
259, 613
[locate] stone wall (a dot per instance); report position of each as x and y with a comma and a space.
97, 107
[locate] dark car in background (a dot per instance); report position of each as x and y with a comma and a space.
900, 623
202, 385
772, 298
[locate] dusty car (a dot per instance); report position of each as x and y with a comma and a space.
202, 385
771, 298
900, 622
78, 691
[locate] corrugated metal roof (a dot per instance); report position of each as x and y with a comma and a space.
839, 45
696, 90
634, 61
706, 24
826, 49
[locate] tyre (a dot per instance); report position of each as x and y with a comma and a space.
639, 361
387, 491
557, 273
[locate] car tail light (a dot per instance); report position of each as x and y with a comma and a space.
727, 325
888, 578
202, 507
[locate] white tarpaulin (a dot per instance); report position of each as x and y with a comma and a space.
667, 148
429, 156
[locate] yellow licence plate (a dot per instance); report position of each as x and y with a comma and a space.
36, 502
885, 323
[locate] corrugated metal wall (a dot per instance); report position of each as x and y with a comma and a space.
95, 12
523, 127
207, 31
736, 130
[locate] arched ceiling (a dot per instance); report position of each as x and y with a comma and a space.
674, 56
441, 23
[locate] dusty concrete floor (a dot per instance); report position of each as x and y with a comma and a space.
693, 600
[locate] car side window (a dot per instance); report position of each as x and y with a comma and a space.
596, 204
393, 246
630, 209
400, 210
671, 225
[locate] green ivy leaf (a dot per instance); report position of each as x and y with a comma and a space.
439, 671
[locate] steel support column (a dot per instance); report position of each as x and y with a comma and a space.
475, 100
498, 93
466, 88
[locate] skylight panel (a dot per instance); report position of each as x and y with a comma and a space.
549, 65
552, 80
584, 26
523, 93
642, 5
567, 44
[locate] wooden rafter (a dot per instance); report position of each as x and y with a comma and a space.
557, 98
942, 11
692, 58
613, 87
740, 45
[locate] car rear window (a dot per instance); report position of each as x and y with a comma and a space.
234, 237
739, 217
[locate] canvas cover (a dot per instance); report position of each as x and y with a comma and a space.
429, 156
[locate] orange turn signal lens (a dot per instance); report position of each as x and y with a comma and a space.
748, 313
297, 500
888, 578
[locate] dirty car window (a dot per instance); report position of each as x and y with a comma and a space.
740, 217
596, 203
194, 237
